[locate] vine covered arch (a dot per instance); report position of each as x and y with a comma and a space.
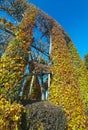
38, 59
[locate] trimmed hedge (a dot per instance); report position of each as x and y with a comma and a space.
44, 116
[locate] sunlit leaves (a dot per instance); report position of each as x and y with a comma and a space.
10, 115
69, 80
14, 60
81, 71
36, 90
64, 88
86, 60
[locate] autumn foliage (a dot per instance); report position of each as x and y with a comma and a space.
10, 115
69, 80
64, 88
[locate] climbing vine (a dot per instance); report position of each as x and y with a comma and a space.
81, 72
10, 115
64, 88
69, 79
14, 61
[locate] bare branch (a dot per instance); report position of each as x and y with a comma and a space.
45, 53
9, 31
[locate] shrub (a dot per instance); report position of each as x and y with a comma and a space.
45, 116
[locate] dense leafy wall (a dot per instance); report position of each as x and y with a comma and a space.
86, 61
64, 88
69, 80
14, 61
12, 70
80, 71
10, 115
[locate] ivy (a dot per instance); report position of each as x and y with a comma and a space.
81, 72
64, 89
10, 115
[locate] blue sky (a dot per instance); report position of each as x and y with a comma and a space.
73, 16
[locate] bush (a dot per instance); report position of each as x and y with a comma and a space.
45, 116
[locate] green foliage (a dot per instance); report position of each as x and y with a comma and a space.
12, 66
81, 72
64, 87
69, 85
42, 60
26, 88
10, 115
45, 116
14, 60
86, 60
36, 90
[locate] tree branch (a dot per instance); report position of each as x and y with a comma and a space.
9, 31
12, 33
45, 53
